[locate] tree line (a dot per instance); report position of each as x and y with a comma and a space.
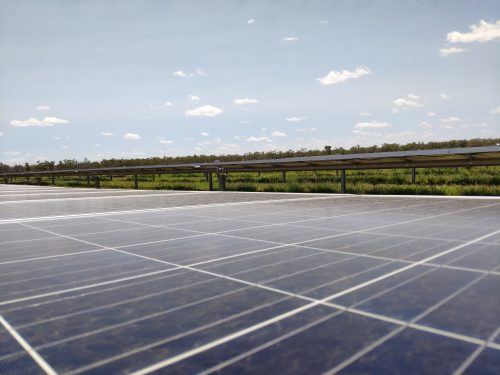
327, 150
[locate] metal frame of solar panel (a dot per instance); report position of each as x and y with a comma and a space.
102, 282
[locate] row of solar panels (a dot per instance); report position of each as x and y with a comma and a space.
452, 157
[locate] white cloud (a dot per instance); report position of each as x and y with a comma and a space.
306, 130
107, 134
132, 137
483, 32
12, 153
444, 96
181, 74
296, 119
250, 21
245, 122
54, 121
371, 125
166, 141
205, 134
200, 72
263, 129
258, 139
365, 114
43, 108
204, 111
1, 134
168, 104
277, 133
404, 103
335, 77
425, 125
450, 119
193, 98
451, 51
495, 111
290, 39
430, 114
47, 121
245, 101
324, 22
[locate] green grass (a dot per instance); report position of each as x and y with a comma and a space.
432, 181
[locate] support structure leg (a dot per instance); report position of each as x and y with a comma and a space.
136, 182
222, 182
283, 176
343, 189
210, 182
88, 181
413, 175
97, 182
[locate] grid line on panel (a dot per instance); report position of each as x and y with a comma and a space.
391, 334
27, 347
469, 360
94, 198
51, 256
84, 287
162, 209
99, 291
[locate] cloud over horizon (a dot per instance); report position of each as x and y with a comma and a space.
335, 77
481, 33
132, 137
47, 121
204, 111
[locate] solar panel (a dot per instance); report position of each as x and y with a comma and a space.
101, 282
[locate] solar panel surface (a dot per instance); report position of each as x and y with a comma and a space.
101, 282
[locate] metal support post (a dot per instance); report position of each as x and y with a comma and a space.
6, 180
136, 182
88, 181
97, 182
343, 189
210, 182
39, 180
153, 176
222, 181
283, 176
413, 175
53, 180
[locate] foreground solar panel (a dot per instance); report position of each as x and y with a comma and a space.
105, 282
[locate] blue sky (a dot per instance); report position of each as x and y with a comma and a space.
104, 79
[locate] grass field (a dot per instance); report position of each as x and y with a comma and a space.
436, 181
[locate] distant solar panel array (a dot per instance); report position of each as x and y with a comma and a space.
104, 282
454, 157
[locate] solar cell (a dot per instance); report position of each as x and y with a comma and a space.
185, 282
